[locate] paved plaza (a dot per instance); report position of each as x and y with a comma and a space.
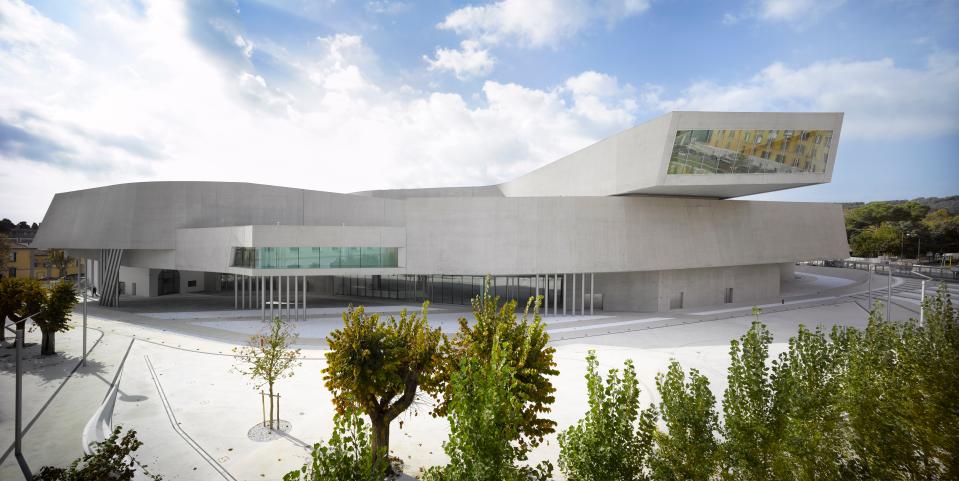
193, 412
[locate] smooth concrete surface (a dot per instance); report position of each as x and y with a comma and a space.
192, 411
636, 160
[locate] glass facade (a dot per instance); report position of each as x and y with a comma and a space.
315, 257
750, 151
447, 289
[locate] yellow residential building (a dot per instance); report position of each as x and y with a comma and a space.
27, 262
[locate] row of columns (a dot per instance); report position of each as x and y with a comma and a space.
277, 296
569, 291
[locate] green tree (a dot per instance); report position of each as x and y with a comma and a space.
484, 414
112, 459
613, 441
876, 240
751, 422
345, 457
943, 232
19, 298
10, 301
899, 395
59, 259
58, 302
807, 384
688, 449
6, 247
527, 352
377, 366
876, 213
269, 357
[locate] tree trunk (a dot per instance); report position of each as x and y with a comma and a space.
380, 439
271, 406
48, 344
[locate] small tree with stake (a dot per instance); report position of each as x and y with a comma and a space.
268, 357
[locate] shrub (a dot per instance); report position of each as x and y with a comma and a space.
485, 414
688, 448
614, 439
111, 459
345, 457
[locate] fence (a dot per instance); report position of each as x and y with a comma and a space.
901, 269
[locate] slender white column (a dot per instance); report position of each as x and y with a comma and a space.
582, 307
555, 293
572, 299
592, 293
296, 297
260, 292
537, 286
565, 293
545, 294
305, 289
271, 299
234, 292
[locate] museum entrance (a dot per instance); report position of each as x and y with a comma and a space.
168, 282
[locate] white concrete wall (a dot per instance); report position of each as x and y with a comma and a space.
504, 236
652, 291
139, 276
186, 277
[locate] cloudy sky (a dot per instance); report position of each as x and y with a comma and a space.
344, 95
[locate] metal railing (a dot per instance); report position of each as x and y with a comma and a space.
901, 269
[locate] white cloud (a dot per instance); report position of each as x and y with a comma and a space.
536, 23
161, 107
387, 7
469, 61
881, 99
795, 10
796, 13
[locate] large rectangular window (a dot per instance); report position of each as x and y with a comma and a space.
315, 257
732, 151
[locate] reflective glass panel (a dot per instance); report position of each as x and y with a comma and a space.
371, 257
266, 258
390, 257
287, 257
750, 151
309, 257
329, 257
351, 257
315, 257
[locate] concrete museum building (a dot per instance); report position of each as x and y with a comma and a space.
639, 221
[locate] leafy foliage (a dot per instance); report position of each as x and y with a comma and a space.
525, 347
377, 366
873, 241
688, 448
5, 247
268, 357
59, 259
55, 315
751, 420
807, 383
112, 459
892, 227
899, 395
50, 307
345, 457
615, 438
485, 413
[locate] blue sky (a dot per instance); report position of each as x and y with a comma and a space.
346, 96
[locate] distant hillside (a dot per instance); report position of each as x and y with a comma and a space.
950, 203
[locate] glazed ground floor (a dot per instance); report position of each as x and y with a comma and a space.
560, 293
